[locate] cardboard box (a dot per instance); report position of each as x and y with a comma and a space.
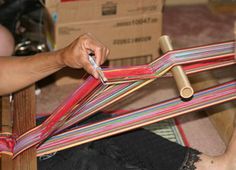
129, 28
88, 10
125, 37
222, 6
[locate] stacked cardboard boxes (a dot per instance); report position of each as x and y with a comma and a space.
129, 28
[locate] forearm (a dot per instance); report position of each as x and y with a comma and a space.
19, 72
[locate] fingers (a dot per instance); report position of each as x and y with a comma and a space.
107, 53
76, 54
101, 55
88, 66
100, 51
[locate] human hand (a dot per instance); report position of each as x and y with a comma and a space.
76, 54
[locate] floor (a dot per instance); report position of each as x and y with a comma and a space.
187, 26
193, 26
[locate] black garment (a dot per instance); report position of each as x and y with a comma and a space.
136, 150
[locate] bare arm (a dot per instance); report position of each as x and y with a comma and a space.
19, 72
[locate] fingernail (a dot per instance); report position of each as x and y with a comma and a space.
95, 74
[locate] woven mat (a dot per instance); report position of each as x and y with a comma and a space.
169, 129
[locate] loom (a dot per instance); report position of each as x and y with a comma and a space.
58, 132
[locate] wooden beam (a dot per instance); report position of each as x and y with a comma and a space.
24, 119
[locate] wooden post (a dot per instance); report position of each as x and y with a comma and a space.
6, 128
24, 119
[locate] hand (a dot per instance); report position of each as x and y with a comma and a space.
76, 54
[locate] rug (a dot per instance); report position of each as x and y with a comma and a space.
169, 129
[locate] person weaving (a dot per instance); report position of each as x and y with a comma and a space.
135, 150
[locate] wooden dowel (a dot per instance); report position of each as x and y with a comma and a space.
183, 84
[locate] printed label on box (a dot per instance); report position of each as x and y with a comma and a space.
109, 8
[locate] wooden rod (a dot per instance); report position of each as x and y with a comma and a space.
181, 79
